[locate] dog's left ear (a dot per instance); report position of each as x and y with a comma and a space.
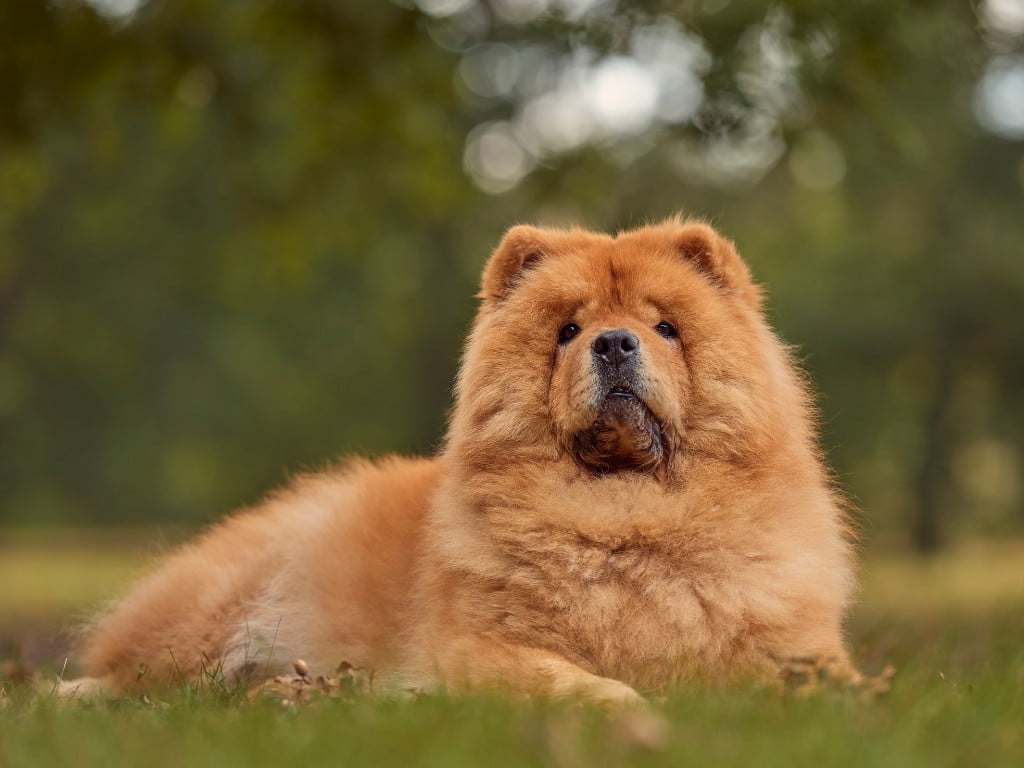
716, 258
520, 250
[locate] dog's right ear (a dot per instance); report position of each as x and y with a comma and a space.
519, 251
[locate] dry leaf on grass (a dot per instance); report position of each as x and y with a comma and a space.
303, 687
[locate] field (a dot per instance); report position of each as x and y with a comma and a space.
953, 626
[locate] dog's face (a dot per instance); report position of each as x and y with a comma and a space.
617, 354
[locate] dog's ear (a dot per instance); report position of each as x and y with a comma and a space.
521, 249
716, 258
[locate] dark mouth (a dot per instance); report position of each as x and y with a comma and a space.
621, 392
624, 436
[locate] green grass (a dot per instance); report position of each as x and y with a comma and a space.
922, 722
54, 572
953, 626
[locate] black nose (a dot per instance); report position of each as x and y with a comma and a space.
616, 347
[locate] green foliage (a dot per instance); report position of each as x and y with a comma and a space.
935, 725
237, 239
925, 721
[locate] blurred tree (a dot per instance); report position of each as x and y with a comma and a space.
241, 237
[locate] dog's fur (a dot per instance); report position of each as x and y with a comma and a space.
565, 542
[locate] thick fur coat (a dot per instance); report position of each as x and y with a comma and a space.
630, 496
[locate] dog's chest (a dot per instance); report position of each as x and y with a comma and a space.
631, 611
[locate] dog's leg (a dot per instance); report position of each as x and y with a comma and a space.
816, 657
488, 664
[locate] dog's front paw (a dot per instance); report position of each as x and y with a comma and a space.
614, 695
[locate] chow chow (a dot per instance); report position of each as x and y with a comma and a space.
630, 496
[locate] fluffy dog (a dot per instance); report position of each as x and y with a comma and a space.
630, 496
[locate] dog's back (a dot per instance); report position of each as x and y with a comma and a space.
322, 568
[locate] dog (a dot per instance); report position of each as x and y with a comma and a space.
630, 496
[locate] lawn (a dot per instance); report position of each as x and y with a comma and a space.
952, 625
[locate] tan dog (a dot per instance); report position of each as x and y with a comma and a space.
630, 496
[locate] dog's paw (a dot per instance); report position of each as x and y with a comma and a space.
613, 695
82, 689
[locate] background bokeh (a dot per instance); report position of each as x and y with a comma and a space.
240, 238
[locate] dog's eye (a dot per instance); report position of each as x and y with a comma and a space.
568, 333
666, 329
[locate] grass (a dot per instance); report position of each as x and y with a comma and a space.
953, 626
56, 572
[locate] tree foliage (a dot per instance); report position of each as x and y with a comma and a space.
240, 238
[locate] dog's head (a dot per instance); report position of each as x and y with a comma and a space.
619, 354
